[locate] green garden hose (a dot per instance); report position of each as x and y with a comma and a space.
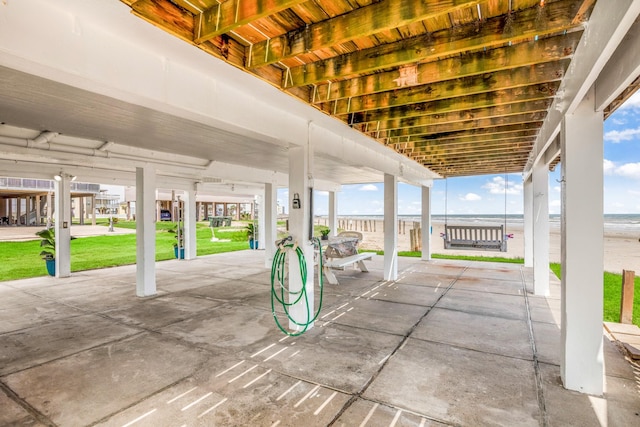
282, 295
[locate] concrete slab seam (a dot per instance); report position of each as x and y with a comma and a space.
40, 417
536, 365
401, 344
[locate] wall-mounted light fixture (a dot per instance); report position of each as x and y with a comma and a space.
61, 174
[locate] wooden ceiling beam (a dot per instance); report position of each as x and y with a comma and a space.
454, 117
225, 17
482, 100
492, 160
462, 104
466, 148
419, 142
457, 161
507, 135
527, 25
534, 126
476, 170
362, 22
478, 84
529, 121
493, 60
488, 124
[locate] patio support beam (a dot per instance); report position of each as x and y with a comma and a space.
299, 227
582, 252
270, 209
541, 229
390, 271
145, 231
62, 216
426, 223
333, 213
528, 222
189, 217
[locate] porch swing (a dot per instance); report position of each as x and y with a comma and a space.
476, 237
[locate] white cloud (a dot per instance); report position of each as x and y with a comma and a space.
368, 187
608, 167
498, 183
629, 170
616, 136
470, 197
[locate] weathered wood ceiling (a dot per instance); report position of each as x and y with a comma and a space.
461, 86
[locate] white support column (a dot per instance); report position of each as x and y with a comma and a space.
38, 203
18, 210
189, 216
81, 202
174, 217
299, 169
581, 364
10, 211
270, 209
93, 209
390, 227
540, 185
333, 213
50, 208
145, 231
259, 207
426, 223
528, 222
63, 225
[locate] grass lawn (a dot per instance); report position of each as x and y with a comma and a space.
19, 260
612, 285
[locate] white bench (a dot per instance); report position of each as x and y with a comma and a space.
341, 263
475, 237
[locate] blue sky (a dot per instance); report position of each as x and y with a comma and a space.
485, 194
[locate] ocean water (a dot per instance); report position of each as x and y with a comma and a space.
612, 222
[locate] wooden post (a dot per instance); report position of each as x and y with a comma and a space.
626, 304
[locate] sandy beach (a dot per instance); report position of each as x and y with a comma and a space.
621, 248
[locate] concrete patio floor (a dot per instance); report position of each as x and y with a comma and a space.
448, 343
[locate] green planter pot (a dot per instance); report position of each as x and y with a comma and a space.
51, 266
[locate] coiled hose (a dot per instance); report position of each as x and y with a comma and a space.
282, 295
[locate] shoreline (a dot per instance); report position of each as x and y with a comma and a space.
621, 245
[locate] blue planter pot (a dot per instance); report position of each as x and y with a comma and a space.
51, 266
175, 251
253, 244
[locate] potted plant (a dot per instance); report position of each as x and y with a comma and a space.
48, 246
251, 234
325, 233
178, 246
